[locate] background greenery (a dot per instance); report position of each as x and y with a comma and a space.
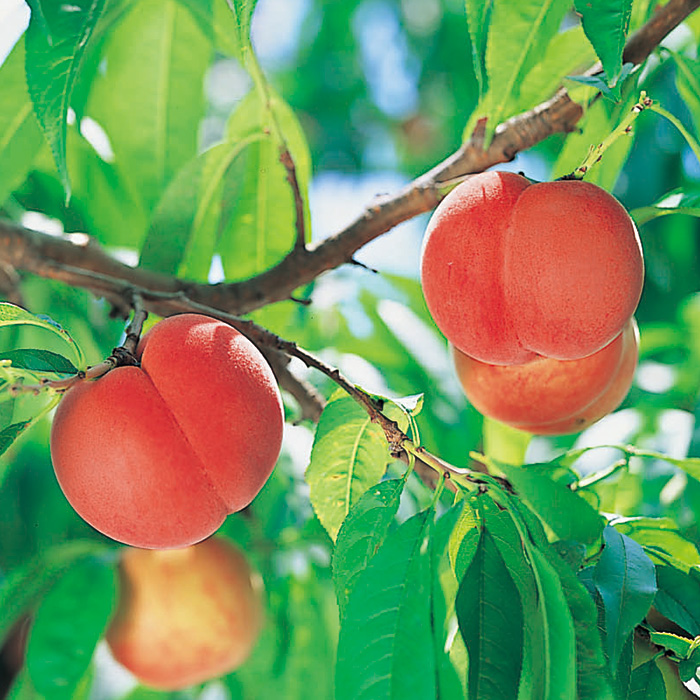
167, 125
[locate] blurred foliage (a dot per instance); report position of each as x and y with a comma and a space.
377, 86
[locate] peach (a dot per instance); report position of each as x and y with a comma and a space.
512, 270
552, 397
157, 456
186, 615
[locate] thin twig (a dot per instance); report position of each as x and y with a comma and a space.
624, 127
299, 222
123, 355
135, 328
60, 386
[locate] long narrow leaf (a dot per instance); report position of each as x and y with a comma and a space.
68, 624
57, 39
491, 618
157, 55
38, 360
185, 228
385, 649
450, 651
350, 454
518, 36
260, 210
20, 135
606, 23
362, 533
625, 578
592, 678
9, 434
11, 315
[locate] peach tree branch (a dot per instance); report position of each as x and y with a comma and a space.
72, 258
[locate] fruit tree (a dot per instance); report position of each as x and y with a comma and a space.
349, 350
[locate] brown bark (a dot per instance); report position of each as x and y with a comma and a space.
79, 261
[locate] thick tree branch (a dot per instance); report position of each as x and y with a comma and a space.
74, 257
649, 36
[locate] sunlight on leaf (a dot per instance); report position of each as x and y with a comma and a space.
58, 37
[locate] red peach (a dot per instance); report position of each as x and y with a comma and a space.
552, 397
511, 270
156, 456
186, 615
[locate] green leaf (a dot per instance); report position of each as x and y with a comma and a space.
690, 465
38, 360
451, 653
624, 577
688, 83
185, 227
141, 693
559, 632
11, 315
20, 135
567, 52
549, 648
215, 19
242, 12
362, 533
68, 624
614, 92
518, 36
385, 648
107, 199
9, 434
659, 535
158, 56
23, 587
689, 668
350, 454
502, 528
490, 614
592, 679
260, 210
647, 682
478, 18
465, 539
22, 688
690, 140
569, 515
606, 23
680, 646
678, 597
57, 39
623, 673
679, 201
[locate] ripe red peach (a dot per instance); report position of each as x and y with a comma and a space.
185, 615
552, 397
157, 456
512, 270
